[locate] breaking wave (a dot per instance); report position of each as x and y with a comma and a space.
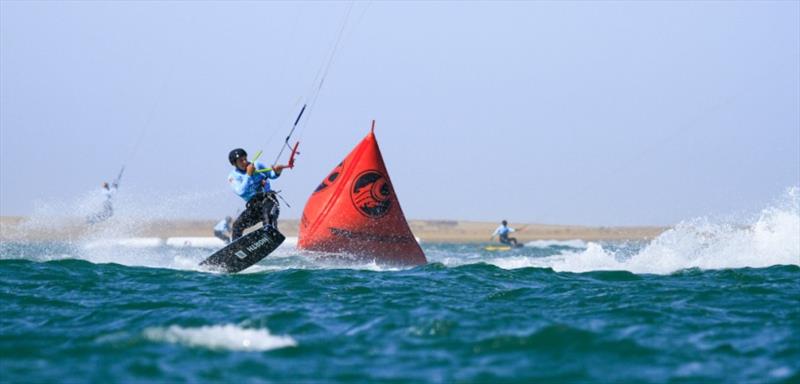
220, 337
771, 238
576, 243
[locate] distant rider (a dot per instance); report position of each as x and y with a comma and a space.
108, 209
251, 182
502, 231
222, 230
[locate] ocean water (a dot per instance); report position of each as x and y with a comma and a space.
708, 301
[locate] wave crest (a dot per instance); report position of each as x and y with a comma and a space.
771, 239
220, 337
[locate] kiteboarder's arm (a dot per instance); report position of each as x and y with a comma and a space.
276, 170
273, 172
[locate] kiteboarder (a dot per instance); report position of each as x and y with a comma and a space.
222, 230
108, 210
250, 181
502, 232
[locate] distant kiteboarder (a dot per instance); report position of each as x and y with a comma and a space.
502, 233
108, 209
222, 230
250, 181
108, 192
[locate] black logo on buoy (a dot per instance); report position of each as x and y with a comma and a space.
330, 179
372, 194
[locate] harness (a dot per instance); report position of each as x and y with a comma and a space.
260, 197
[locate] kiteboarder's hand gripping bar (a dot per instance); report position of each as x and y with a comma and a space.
276, 168
291, 160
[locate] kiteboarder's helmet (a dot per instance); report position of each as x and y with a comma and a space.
236, 154
505, 222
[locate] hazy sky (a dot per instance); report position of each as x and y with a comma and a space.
600, 113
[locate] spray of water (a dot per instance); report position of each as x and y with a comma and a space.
771, 238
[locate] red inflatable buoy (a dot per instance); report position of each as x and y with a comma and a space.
356, 211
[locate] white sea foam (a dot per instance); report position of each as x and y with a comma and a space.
514, 262
220, 337
129, 242
576, 243
325, 260
117, 240
772, 238
139, 252
195, 242
769, 238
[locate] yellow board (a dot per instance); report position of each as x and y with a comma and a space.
497, 248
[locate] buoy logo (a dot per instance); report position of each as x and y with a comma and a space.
372, 194
330, 179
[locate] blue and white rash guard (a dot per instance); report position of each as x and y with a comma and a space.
502, 231
247, 186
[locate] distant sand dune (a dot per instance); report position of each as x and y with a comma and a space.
18, 228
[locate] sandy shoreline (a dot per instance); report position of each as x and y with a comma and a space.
19, 228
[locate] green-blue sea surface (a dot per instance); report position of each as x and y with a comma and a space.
551, 311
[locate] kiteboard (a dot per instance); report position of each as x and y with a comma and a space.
501, 248
246, 250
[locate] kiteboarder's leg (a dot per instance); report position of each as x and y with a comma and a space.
222, 236
271, 210
101, 216
247, 219
513, 240
108, 209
